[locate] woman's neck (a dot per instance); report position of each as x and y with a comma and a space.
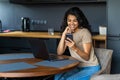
75, 30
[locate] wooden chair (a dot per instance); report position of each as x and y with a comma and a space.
104, 56
107, 77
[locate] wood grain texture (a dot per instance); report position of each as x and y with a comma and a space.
34, 72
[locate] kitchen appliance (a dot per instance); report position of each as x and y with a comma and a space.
25, 24
113, 33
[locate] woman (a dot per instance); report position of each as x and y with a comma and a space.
80, 47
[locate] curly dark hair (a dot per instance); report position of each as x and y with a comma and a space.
82, 20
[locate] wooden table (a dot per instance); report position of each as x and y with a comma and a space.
33, 72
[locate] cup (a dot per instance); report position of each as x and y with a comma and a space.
51, 31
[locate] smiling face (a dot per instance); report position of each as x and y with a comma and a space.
72, 22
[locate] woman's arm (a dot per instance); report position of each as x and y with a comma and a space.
87, 50
85, 54
62, 46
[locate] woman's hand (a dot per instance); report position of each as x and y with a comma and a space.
70, 43
67, 30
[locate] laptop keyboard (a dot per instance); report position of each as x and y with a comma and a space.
52, 57
56, 57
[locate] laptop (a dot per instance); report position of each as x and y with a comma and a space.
40, 50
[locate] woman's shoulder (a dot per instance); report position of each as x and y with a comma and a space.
83, 30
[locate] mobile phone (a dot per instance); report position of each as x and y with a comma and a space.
69, 35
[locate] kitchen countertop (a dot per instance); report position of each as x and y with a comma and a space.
30, 34
42, 35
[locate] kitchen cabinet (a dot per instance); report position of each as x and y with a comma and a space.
22, 45
55, 1
99, 41
17, 41
14, 45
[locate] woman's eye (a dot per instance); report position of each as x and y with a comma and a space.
68, 20
75, 21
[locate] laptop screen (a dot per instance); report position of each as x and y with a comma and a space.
39, 48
